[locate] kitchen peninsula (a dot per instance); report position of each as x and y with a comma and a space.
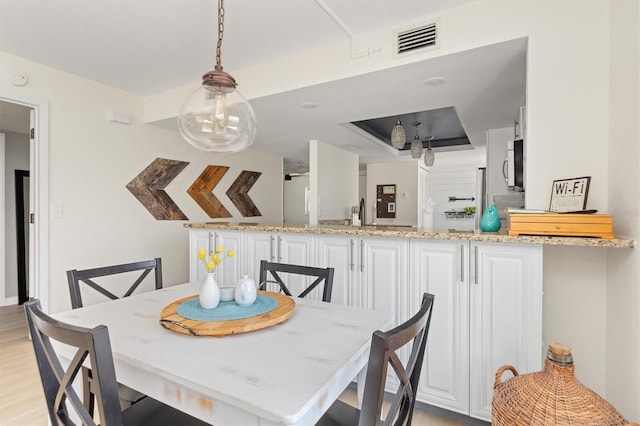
488, 287
410, 232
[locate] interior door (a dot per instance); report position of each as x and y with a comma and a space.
2, 221
31, 239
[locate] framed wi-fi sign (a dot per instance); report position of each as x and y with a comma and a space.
569, 195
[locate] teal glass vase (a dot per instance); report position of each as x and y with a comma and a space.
490, 222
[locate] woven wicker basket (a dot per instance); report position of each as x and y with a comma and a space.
549, 397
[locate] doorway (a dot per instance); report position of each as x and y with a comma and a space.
36, 276
22, 233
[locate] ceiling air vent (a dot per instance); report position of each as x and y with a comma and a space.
416, 39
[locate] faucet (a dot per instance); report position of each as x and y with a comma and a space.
361, 212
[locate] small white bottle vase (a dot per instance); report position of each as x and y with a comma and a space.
246, 292
209, 292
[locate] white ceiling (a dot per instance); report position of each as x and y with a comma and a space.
148, 46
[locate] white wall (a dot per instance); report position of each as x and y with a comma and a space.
334, 175
623, 266
294, 210
404, 175
452, 181
574, 302
16, 158
91, 160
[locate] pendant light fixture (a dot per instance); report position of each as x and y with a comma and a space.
398, 136
216, 117
416, 144
429, 156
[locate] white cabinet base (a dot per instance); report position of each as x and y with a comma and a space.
506, 317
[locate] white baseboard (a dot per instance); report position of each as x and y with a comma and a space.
11, 301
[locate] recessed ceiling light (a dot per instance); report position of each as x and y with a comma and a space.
435, 81
309, 105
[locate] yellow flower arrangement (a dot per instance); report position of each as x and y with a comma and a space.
215, 258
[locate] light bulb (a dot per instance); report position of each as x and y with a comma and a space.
217, 118
220, 116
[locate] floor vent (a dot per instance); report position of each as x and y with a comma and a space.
416, 39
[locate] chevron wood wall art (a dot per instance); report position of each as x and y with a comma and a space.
238, 190
148, 187
201, 190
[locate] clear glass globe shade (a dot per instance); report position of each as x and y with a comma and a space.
429, 157
416, 148
217, 119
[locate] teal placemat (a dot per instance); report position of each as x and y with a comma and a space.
226, 311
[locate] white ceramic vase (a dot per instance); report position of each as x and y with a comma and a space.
209, 292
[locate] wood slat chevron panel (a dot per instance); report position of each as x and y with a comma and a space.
238, 190
201, 190
148, 187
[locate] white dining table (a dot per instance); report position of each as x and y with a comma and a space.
289, 373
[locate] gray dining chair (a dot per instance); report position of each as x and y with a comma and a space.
270, 273
92, 344
384, 347
88, 278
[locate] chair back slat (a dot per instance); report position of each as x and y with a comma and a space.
384, 352
87, 276
322, 275
60, 395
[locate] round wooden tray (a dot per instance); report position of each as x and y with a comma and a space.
171, 320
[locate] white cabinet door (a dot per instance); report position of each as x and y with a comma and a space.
506, 316
198, 239
339, 252
441, 268
259, 246
231, 269
298, 249
384, 276
384, 283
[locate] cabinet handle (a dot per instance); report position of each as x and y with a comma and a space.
280, 257
361, 256
351, 257
461, 262
212, 242
475, 264
271, 248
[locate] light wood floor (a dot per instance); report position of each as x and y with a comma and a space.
21, 397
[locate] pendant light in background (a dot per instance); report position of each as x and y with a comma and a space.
398, 136
416, 144
429, 156
216, 117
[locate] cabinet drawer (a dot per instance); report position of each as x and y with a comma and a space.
571, 225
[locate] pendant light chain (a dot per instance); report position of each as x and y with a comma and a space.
216, 117
220, 32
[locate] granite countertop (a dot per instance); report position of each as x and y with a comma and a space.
410, 232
